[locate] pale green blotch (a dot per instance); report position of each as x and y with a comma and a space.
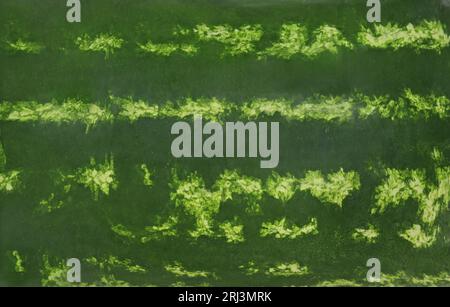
50, 204
326, 39
18, 261
282, 229
369, 234
401, 185
437, 156
106, 43
98, 178
70, 110
192, 195
112, 262
211, 109
281, 188
133, 110
293, 38
123, 232
333, 188
232, 231
110, 280
9, 181
324, 108
162, 230
231, 183
339, 283
168, 49
147, 174
408, 106
428, 35
178, 269
23, 46
237, 41
250, 268
404, 279
294, 41
55, 275
265, 107
288, 269
419, 237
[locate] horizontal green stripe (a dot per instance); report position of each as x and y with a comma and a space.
293, 40
192, 196
53, 273
410, 106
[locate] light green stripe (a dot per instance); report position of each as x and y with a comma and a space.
409, 106
293, 40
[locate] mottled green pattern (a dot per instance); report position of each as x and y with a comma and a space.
86, 169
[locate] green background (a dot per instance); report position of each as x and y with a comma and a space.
83, 227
